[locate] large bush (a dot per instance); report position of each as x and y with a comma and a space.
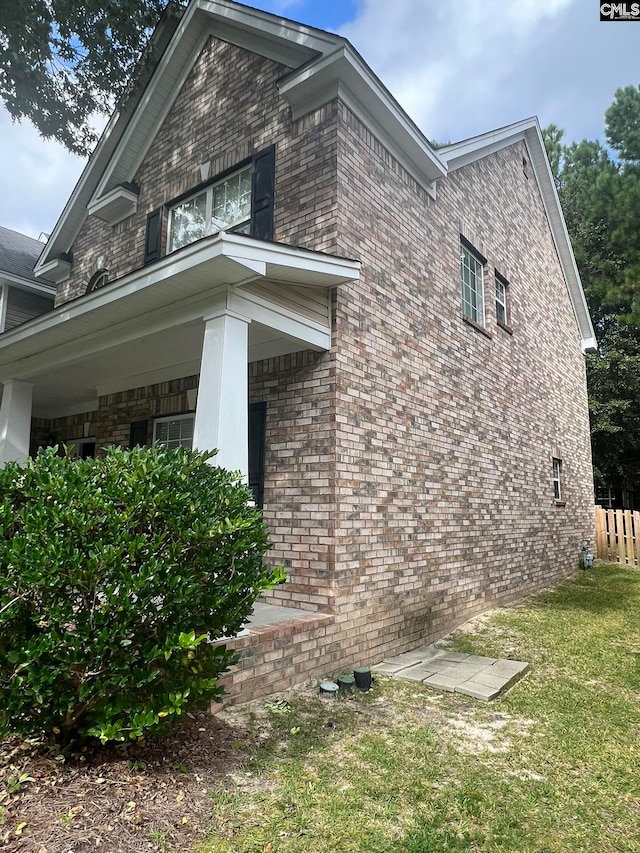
114, 575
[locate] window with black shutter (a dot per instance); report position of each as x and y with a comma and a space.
257, 423
153, 236
138, 434
238, 200
262, 192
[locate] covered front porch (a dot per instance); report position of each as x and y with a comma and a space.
209, 310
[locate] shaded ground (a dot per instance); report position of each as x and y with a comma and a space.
153, 797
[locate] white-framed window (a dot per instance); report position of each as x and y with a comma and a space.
175, 431
557, 479
223, 205
472, 276
502, 310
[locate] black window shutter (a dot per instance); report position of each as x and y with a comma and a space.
138, 433
153, 235
257, 422
262, 192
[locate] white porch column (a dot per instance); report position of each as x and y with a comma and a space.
15, 421
222, 409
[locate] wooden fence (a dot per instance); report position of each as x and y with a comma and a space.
618, 536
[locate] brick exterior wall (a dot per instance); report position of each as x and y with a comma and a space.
409, 470
300, 459
444, 497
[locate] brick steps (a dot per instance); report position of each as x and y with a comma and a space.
273, 657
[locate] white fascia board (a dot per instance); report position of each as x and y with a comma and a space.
287, 43
249, 250
528, 131
283, 41
344, 74
75, 210
460, 154
542, 171
39, 287
246, 253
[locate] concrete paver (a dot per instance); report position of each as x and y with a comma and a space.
472, 675
415, 673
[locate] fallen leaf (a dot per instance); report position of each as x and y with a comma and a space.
180, 797
19, 828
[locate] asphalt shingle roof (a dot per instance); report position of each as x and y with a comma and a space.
18, 253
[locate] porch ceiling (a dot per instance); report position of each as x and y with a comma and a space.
149, 324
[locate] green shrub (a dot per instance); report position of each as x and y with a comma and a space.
114, 574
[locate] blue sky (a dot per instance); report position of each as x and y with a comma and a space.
458, 69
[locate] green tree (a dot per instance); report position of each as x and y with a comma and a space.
600, 196
62, 61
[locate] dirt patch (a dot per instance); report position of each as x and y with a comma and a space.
150, 797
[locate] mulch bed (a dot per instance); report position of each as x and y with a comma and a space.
150, 797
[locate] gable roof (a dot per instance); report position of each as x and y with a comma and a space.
18, 256
322, 66
467, 151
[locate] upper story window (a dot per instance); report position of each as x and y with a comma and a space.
557, 479
502, 310
221, 206
98, 280
472, 276
241, 200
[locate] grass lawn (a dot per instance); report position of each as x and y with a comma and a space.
552, 767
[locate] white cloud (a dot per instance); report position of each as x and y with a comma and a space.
465, 68
36, 178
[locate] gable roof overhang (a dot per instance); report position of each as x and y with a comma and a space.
175, 47
153, 319
344, 74
467, 151
324, 66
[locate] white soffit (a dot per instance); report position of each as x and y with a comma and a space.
116, 205
460, 154
177, 286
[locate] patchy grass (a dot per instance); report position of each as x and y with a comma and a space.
552, 767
